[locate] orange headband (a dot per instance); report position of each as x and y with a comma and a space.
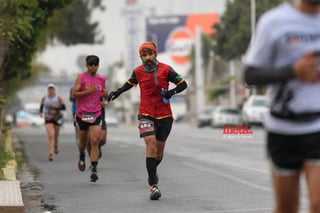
147, 46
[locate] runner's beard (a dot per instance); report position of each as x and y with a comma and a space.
149, 64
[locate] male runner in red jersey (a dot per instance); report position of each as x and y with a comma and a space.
155, 115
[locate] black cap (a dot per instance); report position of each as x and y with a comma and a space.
93, 59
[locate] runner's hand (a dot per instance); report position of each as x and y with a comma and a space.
168, 93
306, 67
92, 88
113, 95
105, 93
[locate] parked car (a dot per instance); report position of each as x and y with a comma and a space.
204, 118
225, 116
26, 119
32, 108
254, 110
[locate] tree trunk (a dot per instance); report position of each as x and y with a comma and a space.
4, 47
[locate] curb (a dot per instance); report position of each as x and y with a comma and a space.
10, 196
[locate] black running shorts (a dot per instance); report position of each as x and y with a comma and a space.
57, 121
159, 127
290, 152
82, 125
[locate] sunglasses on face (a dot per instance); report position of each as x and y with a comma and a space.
93, 64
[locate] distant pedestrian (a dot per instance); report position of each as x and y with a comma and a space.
284, 56
50, 108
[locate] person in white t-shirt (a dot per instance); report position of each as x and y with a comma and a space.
284, 55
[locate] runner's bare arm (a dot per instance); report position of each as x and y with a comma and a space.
76, 87
62, 104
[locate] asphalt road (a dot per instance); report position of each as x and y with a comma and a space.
202, 171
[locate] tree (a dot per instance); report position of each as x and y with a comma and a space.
20, 24
77, 27
233, 32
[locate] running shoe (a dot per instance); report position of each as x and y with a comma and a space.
82, 162
56, 150
50, 157
82, 165
94, 177
155, 193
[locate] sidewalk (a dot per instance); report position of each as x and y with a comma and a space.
10, 190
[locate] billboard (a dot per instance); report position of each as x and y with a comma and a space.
175, 35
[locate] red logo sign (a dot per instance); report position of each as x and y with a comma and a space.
236, 132
179, 45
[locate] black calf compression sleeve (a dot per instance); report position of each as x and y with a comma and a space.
151, 164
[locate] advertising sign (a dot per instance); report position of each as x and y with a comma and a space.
174, 35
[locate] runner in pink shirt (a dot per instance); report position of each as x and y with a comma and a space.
88, 89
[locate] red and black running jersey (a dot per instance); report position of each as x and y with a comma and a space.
151, 85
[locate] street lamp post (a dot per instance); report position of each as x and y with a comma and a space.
253, 17
253, 27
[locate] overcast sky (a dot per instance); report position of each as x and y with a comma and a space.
112, 26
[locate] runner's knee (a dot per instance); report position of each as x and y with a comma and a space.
151, 148
94, 140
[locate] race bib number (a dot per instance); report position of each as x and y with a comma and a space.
88, 117
146, 126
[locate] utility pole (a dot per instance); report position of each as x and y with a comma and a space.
200, 101
253, 29
232, 84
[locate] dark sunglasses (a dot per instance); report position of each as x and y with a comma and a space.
93, 64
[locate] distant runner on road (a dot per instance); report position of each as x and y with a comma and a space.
50, 108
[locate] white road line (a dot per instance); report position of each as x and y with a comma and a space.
303, 200
236, 179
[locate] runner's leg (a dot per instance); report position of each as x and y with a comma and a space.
312, 171
94, 133
82, 147
102, 140
163, 130
56, 138
286, 192
160, 150
49, 130
151, 158
103, 137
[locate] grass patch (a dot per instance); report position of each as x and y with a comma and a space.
6, 156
